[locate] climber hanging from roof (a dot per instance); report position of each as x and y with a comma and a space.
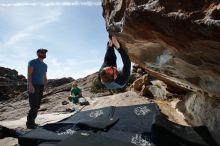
108, 74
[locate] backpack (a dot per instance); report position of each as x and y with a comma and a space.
83, 101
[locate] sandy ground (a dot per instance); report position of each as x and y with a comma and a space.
123, 99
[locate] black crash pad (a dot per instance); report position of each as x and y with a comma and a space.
137, 118
100, 123
48, 144
115, 136
47, 133
167, 133
83, 116
98, 119
91, 139
142, 139
130, 122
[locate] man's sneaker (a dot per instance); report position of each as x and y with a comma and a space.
36, 124
31, 126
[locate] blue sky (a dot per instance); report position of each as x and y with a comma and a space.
73, 32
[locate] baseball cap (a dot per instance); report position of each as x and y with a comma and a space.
42, 50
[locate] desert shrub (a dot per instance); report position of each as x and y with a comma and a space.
97, 86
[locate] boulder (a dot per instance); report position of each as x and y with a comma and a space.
137, 85
200, 109
178, 39
11, 83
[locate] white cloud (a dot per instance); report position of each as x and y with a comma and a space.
88, 72
14, 51
54, 62
27, 28
69, 68
80, 62
69, 71
14, 61
17, 37
29, 31
49, 4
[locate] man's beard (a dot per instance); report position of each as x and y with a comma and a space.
42, 57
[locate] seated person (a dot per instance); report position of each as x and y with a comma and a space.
76, 95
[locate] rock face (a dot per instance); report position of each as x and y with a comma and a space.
11, 84
178, 38
58, 82
58, 85
200, 110
178, 42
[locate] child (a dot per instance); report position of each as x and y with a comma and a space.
75, 93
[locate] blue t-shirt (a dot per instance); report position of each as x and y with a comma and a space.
39, 70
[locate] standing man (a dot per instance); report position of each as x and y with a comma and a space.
37, 80
109, 74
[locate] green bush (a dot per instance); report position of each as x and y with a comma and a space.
97, 86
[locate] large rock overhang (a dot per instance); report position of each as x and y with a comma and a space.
179, 40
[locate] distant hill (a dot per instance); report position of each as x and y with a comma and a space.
11, 83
